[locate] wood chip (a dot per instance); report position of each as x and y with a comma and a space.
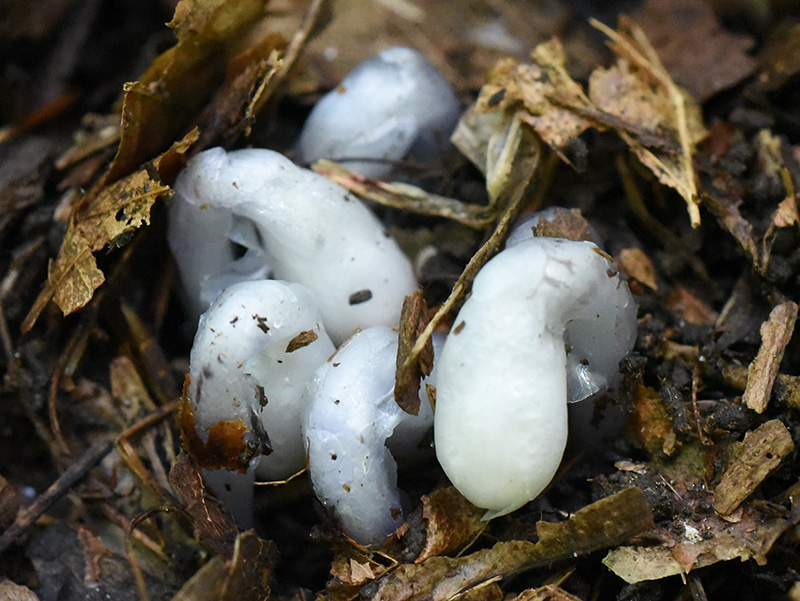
760, 453
301, 340
775, 335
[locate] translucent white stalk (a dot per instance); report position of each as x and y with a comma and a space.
254, 350
351, 414
305, 228
392, 107
501, 391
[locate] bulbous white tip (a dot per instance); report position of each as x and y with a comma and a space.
391, 107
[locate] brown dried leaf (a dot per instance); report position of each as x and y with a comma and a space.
231, 113
99, 132
536, 93
9, 504
243, 577
105, 217
164, 103
544, 88
776, 333
723, 201
405, 196
16, 592
412, 368
250, 569
452, 522
639, 266
695, 49
564, 223
605, 523
786, 215
212, 520
130, 394
759, 454
149, 357
548, 592
651, 421
640, 92
490, 591
354, 568
689, 545
204, 21
690, 307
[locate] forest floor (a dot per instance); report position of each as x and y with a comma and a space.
668, 129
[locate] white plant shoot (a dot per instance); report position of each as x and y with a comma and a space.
548, 321
392, 107
351, 414
305, 228
254, 350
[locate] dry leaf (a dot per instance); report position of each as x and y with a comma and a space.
786, 215
212, 520
651, 421
605, 523
688, 545
641, 93
452, 522
639, 266
564, 223
412, 368
695, 49
245, 576
690, 307
778, 64
353, 568
131, 398
722, 199
9, 504
164, 103
548, 592
16, 592
543, 88
488, 134
104, 218
118, 210
231, 113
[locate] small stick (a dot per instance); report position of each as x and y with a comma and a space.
59, 488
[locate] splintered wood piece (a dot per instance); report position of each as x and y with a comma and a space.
775, 335
760, 453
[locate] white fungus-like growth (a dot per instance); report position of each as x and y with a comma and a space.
254, 350
305, 228
351, 414
392, 107
548, 321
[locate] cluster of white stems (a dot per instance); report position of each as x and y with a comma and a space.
286, 266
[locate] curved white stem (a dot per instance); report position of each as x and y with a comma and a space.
304, 227
254, 350
501, 394
351, 414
